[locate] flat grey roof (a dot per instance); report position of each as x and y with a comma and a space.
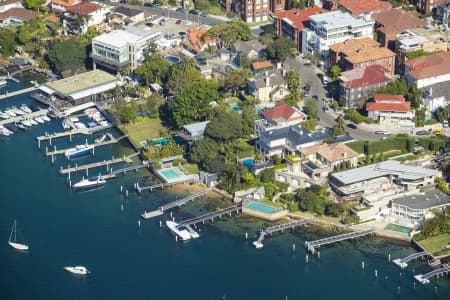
426, 200
382, 169
337, 18
196, 127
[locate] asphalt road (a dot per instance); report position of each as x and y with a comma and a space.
170, 13
308, 75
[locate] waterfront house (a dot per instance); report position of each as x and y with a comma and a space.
436, 95
16, 16
281, 115
391, 111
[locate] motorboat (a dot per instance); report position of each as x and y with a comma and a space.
20, 126
17, 111
3, 115
100, 138
26, 123
179, 230
79, 150
65, 124
4, 131
3, 82
39, 120
34, 107
12, 241
78, 270
10, 112
45, 118
33, 122
51, 113
91, 182
12, 127
258, 245
26, 109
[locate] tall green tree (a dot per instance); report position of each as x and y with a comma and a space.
225, 126
33, 4
339, 128
182, 75
154, 70
230, 33
281, 49
66, 52
235, 81
310, 108
249, 115
233, 178
8, 42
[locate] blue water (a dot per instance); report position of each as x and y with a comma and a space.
249, 162
63, 227
262, 207
172, 58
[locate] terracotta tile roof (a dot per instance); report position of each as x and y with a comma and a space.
53, 19
357, 7
299, 17
22, 13
331, 152
397, 20
262, 64
65, 3
195, 40
283, 111
360, 77
84, 8
387, 97
429, 65
361, 50
399, 107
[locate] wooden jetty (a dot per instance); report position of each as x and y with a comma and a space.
23, 117
109, 162
311, 246
187, 179
176, 203
19, 92
135, 168
281, 227
111, 140
212, 215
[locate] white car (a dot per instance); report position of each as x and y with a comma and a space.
382, 132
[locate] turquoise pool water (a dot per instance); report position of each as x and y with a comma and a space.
262, 207
400, 156
249, 162
170, 173
236, 107
172, 58
398, 228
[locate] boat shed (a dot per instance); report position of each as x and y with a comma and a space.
78, 89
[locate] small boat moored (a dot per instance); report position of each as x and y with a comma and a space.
79, 150
101, 138
25, 108
78, 270
13, 242
91, 182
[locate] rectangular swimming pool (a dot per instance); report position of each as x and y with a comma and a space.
398, 228
262, 207
170, 173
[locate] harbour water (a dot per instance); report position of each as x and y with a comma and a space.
63, 227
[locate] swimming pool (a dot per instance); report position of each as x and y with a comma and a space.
398, 228
171, 173
249, 162
262, 207
236, 107
172, 58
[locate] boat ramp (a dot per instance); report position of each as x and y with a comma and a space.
403, 262
281, 227
111, 140
69, 169
176, 203
311, 246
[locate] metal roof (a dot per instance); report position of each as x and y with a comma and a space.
426, 200
196, 128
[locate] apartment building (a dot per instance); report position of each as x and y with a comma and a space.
253, 10
427, 6
334, 27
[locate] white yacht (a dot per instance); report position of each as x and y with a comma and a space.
45, 118
3, 115
101, 138
25, 108
5, 131
13, 242
10, 112
79, 270
179, 230
91, 182
65, 124
26, 122
33, 122
3, 82
17, 111
39, 120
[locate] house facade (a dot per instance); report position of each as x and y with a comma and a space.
391, 111
195, 41
62, 5
282, 115
253, 10
92, 13
427, 6
427, 70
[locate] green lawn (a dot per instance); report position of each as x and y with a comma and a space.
191, 168
435, 245
145, 129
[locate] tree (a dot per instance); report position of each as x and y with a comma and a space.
33, 4
335, 72
339, 129
129, 113
233, 178
182, 75
236, 80
66, 52
310, 124
154, 70
230, 33
153, 103
267, 175
249, 115
310, 108
193, 103
292, 81
420, 117
7, 42
308, 200
225, 126
281, 49
414, 96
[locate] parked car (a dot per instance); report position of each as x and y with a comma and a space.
422, 132
438, 132
352, 126
193, 12
150, 24
382, 132
162, 22
445, 123
149, 4
178, 21
204, 15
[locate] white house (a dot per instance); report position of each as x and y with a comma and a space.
62, 5
391, 110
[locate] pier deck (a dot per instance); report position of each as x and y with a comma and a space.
212, 215
310, 246
291, 225
19, 92
111, 140
69, 169
57, 135
135, 168
424, 279
163, 185
176, 203
26, 116
403, 263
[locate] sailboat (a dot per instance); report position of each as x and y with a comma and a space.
13, 243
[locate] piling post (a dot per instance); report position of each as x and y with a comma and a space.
318, 254
362, 265
53, 159
389, 258
70, 136
246, 235
46, 150
160, 223
121, 189
306, 258
54, 148
126, 193
87, 172
39, 143
50, 140
293, 247
376, 273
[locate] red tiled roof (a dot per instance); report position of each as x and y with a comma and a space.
368, 76
400, 107
384, 97
283, 111
53, 19
429, 65
195, 39
357, 7
22, 13
84, 8
300, 17
396, 20
65, 3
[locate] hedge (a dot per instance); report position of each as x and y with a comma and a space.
359, 146
432, 143
394, 143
